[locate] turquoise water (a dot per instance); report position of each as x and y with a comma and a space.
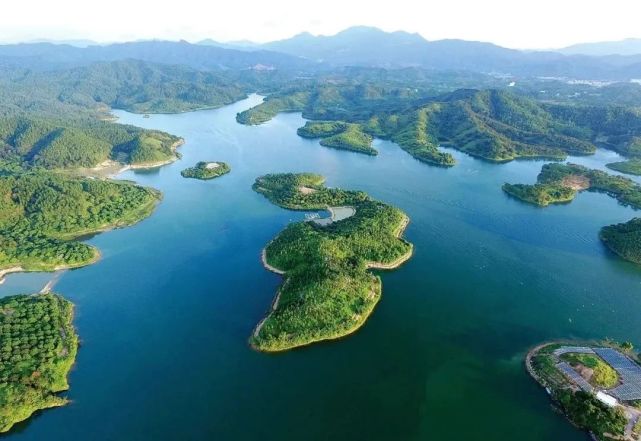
164, 317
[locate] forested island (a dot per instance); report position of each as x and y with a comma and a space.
42, 212
584, 381
328, 291
206, 170
38, 345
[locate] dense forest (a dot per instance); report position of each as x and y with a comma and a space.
624, 239
38, 346
41, 212
491, 124
327, 292
58, 143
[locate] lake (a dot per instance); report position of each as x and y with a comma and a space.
164, 317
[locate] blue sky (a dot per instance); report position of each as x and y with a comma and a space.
516, 23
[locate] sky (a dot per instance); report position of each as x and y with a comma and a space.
525, 24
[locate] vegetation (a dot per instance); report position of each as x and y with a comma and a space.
133, 85
624, 239
328, 291
37, 349
340, 136
581, 408
631, 167
272, 106
304, 191
491, 124
603, 375
206, 170
57, 143
562, 181
588, 413
41, 212
540, 194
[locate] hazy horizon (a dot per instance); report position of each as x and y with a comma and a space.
545, 25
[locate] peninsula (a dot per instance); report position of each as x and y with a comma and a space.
37, 331
328, 291
42, 213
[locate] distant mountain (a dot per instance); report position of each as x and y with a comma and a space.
630, 46
46, 56
241, 45
76, 43
367, 46
357, 47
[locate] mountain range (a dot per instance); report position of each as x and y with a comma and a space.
356, 46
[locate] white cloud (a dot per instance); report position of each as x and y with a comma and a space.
525, 24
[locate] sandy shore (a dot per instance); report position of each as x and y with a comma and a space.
274, 305
263, 258
13, 269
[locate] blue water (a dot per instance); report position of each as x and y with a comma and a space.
164, 317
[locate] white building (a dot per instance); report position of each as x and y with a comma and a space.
606, 399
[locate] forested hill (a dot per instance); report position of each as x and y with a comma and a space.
129, 84
492, 124
70, 143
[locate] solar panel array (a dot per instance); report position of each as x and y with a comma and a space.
573, 349
574, 376
629, 373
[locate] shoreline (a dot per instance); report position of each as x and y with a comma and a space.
20, 269
98, 255
10, 270
111, 168
263, 258
359, 324
401, 259
274, 304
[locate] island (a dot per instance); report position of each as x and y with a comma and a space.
597, 386
43, 213
38, 348
328, 291
206, 170
339, 135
